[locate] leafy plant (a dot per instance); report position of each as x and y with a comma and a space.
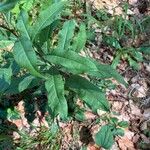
60, 67
46, 58
105, 136
119, 32
43, 139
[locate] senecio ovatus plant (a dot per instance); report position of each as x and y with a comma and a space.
46, 56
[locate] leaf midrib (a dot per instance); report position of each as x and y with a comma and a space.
64, 57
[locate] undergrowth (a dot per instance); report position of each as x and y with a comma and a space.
43, 64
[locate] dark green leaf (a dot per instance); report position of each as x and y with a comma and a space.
6, 73
118, 131
80, 40
71, 61
46, 17
25, 83
106, 71
145, 49
7, 5
23, 24
88, 92
104, 137
123, 124
25, 56
65, 35
56, 100
112, 41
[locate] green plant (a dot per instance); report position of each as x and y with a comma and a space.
58, 66
124, 34
43, 139
105, 136
45, 59
120, 32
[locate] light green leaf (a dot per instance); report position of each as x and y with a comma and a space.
55, 92
7, 5
104, 137
65, 35
25, 56
46, 17
138, 56
116, 61
88, 92
28, 4
25, 83
5, 43
71, 61
80, 39
12, 114
133, 63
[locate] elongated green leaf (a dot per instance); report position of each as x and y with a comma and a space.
65, 35
6, 73
104, 137
145, 49
71, 61
116, 61
77, 64
106, 71
8, 5
25, 56
112, 41
3, 85
46, 17
12, 88
80, 40
25, 83
123, 124
23, 25
88, 92
56, 100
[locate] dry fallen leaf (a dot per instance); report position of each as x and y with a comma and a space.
125, 144
93, 147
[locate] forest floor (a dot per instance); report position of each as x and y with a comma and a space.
130, 104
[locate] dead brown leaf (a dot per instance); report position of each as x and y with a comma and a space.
125, 144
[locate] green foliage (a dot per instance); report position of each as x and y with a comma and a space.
7, 5
104, 137
47, 60
120, 33
56, 100
48, 139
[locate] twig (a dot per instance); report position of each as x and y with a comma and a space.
8, 29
